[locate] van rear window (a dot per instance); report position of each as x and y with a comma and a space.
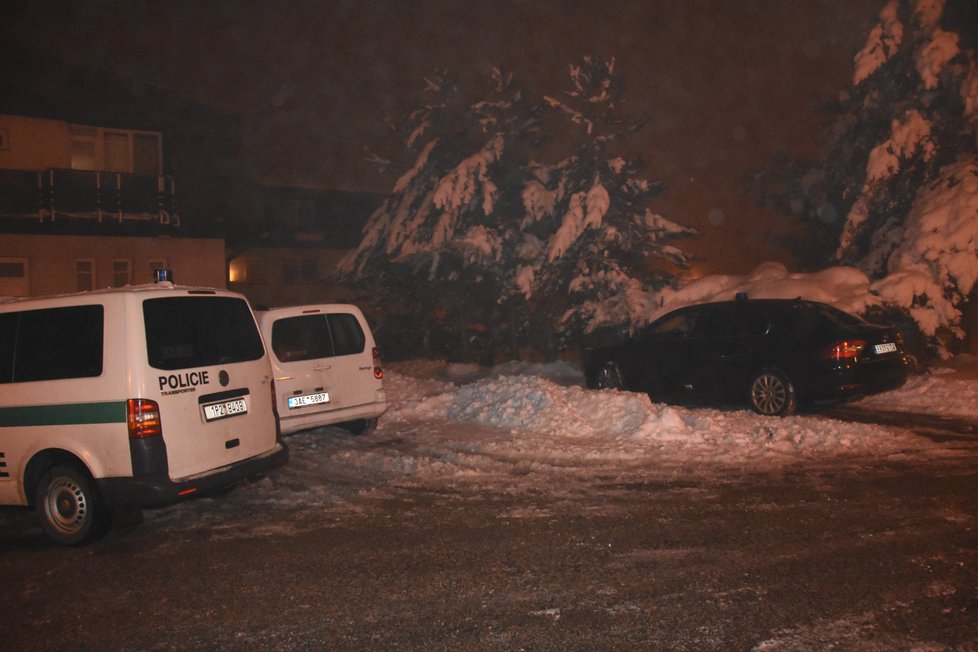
310, 337
51, 344
200, 331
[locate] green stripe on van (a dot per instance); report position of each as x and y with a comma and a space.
63, 415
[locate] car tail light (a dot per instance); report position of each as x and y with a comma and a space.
845, 350
143, 418
378, 372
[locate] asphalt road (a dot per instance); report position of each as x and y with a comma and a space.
856, 557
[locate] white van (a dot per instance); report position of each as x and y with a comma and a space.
129, 398
327, 368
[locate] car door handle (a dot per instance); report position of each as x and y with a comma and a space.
323, 368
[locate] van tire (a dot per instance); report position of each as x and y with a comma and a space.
69, 506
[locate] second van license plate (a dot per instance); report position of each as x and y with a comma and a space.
225, 409
308, 399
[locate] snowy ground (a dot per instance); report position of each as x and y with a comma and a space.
534, 428
511, 508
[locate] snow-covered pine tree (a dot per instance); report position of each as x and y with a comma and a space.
489, 241
592, 250
896, 191
438, 241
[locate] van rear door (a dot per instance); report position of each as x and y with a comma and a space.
326, 358
210, 376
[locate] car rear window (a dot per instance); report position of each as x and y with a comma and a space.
51, 344
200, 331
827, 312
309, 337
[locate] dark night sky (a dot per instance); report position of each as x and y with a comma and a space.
727, 83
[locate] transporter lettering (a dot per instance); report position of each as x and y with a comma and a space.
186, 379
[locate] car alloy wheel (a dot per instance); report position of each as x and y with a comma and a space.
771, 394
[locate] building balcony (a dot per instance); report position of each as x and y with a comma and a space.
59, 195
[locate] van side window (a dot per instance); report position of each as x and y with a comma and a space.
51, 344
8, 338
199, 331
301, 338
348, 337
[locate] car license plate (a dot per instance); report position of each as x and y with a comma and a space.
889, 347
225, 409
308, 399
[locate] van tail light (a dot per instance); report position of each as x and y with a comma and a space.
845, 350
378, 372
143, 418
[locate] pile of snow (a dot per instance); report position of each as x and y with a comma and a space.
950, 391
539, 417
846, 288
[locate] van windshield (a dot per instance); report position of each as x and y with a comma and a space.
199, 331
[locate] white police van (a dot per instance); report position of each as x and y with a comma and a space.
129, 398
327, 367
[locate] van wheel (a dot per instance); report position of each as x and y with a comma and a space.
360, 426
68, 506
772, 394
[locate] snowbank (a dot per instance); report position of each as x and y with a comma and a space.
540, 415
846, 288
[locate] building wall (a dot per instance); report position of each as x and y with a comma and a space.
288, 276
50, 261
34, 144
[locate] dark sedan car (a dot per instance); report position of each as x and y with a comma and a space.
770, 354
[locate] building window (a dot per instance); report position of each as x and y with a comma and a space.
84, 275
115, 150
154, 264
121, 273
14, 277
13, 268
238, 270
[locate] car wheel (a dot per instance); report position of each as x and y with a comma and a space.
609, 377
360, 426
772, 394
68, 506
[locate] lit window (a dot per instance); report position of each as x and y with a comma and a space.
238, 271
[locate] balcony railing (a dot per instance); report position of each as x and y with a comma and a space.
58, 194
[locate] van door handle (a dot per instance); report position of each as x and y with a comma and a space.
326, 368
284, 377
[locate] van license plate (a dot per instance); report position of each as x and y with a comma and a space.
225, 409
889, 347
308, 399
